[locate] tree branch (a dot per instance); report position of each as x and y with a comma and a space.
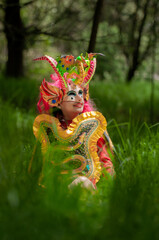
96, 19
138, 42
131, 39
27, 3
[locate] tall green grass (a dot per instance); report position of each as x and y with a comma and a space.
22, 92
114, 100
123, 207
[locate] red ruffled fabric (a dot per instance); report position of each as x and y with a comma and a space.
104, 156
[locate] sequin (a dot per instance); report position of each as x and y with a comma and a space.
81, 135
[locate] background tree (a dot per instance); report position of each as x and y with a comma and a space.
122, 30
134, 20
15, 35
25, 22
154, 39
96, 21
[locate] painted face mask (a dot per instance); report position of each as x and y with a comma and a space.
73, 102
69, 73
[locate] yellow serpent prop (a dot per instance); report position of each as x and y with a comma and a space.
81, 138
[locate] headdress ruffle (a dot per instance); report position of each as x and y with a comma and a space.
68, 69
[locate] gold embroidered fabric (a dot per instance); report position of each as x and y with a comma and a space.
79, 140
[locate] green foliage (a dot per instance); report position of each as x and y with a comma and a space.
127, 33
114, 100
123, 207
22, 93
112, 66
119, 100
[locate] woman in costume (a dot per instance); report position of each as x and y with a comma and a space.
67, 114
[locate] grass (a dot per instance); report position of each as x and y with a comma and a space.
125, 207
117, 100
114, 100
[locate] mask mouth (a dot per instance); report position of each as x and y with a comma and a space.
78, 104
73, 102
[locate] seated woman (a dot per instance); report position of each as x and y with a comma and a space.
67, 113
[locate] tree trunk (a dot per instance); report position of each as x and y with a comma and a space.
14, 32
130, 74
96, 20
136, 56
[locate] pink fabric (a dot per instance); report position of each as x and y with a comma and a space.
104, 156
42, 105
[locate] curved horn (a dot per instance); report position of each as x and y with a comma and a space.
53, 64
90, 73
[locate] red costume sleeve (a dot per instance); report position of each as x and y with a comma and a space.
104, 156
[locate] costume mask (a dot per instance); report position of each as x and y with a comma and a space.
68, 70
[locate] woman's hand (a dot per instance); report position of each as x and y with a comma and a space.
84, 182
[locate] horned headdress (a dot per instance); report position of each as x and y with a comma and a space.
67, 70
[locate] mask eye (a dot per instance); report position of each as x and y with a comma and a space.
71, 95
80, 93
